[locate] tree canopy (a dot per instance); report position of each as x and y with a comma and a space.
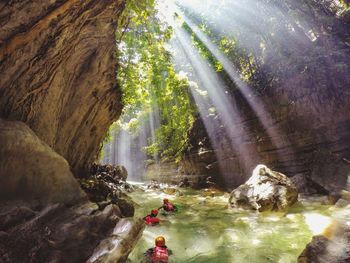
149, 81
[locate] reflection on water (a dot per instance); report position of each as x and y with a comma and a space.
205, 230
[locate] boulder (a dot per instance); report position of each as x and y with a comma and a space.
58, 233
30, 169
170, 190
211, 192
153, 185
331, 247
126, 206
184, 183
312, 251
104, 186
116, 172
117, 247
344, 199
265, 190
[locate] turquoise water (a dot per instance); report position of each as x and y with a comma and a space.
205, 230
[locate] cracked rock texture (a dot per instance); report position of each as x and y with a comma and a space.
266, 190
57, 233
58, 72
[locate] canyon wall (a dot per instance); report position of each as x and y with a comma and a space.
307, 134
304, 131
58, 97
298, 121
58, 72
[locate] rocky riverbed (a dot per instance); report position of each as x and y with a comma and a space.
206, 230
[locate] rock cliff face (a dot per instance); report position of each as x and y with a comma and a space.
313, 127
31, 170
58, 72
58, 75
305, 125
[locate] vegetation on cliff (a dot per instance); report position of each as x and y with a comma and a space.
241, 67
149, 81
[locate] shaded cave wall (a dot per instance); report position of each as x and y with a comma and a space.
312, 140
58, 72
306, 120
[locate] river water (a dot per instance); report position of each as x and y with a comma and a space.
205, 230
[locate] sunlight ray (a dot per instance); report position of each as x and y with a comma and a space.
256, 105
209, 80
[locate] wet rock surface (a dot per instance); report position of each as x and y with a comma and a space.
55, 233
333, 248
41, 230
58, 72
33, 232
330, 171
306, 185
121, 242
174, 173
31, 170
265, 190
106, 185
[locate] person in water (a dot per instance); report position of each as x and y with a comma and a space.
160, 253
152, 219
168, 207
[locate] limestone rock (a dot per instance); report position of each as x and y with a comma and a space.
293, 116
265, 190
30, 169
329, 171
184, 183
306, 185
58, 72
60, 234
171, 172
117, 247
106, 185
344, 199
335, 248
170, 190
117, 172
310, 254
126, 206
14, 215
211, 192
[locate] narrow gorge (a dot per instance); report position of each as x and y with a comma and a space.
236, 111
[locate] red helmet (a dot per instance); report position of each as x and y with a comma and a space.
154, 212
160, 241
166, 200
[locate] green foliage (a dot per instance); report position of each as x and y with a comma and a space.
272, 41
176, 116
148, 79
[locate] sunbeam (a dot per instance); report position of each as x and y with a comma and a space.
218, 98
256, 105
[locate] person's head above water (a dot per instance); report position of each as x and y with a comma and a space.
165, 200
154, 212
160, 241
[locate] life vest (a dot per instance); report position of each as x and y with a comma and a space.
169, 207
160, 255
149, 220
